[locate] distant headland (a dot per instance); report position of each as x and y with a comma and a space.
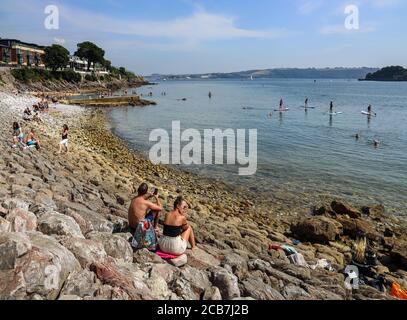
280, 73
393, 73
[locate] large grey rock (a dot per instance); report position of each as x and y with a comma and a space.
258, 290
81, 284
98, 223
198, 280
22, 220
12, 247
86, 251
33, 265
212, 294
317, 229
226, 281
59, 224
5, 225
143, 256
12, 203
237, 262
115, 246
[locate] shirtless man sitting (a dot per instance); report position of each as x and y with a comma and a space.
141, 208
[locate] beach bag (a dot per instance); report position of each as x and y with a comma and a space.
144, 236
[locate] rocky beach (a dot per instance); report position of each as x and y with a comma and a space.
64, 232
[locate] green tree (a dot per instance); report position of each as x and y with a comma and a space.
90, 52
56, 57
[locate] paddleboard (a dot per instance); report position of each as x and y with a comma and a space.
335, 113
282, 110
368, 113
307, 107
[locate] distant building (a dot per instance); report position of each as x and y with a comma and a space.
81, 66
18, 53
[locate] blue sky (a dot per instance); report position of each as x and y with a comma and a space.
188, 36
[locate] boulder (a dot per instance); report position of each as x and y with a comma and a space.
342, 208
5, 225
13, 203
85, 225
376, 212
291, 292
81, 284
180, 261
212, 294
258, 290
198, 280
237, 262
164, 270
143, 256
121, 280
358, 227
33, 265
93, 218
399, 253
22, 220
201, 259
115, 246
317, 229
59, 224
158, 287
12, 247
226, 281
86, 251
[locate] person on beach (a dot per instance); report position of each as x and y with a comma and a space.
27, 114
18, 135
177, 232
143, 218
64, 141
37, 118
31, 140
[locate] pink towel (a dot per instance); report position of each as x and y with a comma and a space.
165, 256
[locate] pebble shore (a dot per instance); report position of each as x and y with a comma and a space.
66, 215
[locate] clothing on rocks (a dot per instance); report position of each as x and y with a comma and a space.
144, 236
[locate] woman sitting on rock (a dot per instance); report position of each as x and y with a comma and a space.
18, 135
177, 232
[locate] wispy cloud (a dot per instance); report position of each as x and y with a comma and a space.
341, 29
197, 27
309, 6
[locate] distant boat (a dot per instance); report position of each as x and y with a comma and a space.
251, 77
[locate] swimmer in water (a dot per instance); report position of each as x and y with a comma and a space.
376, 143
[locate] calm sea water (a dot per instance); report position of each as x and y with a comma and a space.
301, 155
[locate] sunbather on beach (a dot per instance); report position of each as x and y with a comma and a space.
143, 218
142, 208
32, 140
18, 135
177, 232
64, 141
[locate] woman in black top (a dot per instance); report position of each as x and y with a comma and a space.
177, 232
64, 141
